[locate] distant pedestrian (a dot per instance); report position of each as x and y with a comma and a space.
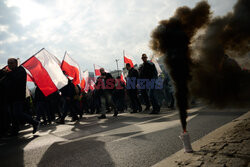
104, 87
148, 71
132, 91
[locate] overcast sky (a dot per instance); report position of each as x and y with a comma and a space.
91, 31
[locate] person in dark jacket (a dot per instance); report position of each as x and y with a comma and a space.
15, 87
105, 85
42, 108
132, 90
148, 71
68, 93
119, 94
4, 114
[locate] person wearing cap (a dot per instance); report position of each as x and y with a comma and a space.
148, 72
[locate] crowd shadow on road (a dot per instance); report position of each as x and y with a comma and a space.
82, 146
77, 153
12, 151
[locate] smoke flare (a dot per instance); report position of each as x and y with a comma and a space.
172, 38
195, 47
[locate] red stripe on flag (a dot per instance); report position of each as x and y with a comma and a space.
97, 72
40, 76
71, 71
29, 78
83, 84
127, 60
122, 79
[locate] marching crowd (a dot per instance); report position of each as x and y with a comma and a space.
142, 86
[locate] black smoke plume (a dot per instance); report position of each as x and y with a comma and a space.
199, 54
171, 39
218, 79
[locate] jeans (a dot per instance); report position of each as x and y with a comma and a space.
154, 100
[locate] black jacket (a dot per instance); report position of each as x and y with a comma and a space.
109, 80
68, 90
14, 84
133, 73
39, 96
148, 71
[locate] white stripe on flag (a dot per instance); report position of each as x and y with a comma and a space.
51, 66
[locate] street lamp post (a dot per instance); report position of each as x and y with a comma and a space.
117, 66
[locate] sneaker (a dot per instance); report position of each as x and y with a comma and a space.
36, 127
186, 142
103, 116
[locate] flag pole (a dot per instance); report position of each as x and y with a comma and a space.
33, 56
117, 66
124, 58
63, 58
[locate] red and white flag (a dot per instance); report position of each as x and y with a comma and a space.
92, 85
71, 68
97, 70
122, 78
29, 78
128, 59
84, 82
46, 72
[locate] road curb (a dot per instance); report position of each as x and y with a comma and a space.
172, 160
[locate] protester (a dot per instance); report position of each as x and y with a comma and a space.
68, 93
53, 101
77, 100
109, 93
149, 73
105, 86
132, 89
42, 108
119, 94
5, 117
15, 88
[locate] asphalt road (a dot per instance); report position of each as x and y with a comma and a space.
129, 140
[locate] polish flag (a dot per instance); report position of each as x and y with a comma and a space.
128, 59
122, 78
84, 82
97, 70
71, 68
29, 78
92, 85
46, 72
